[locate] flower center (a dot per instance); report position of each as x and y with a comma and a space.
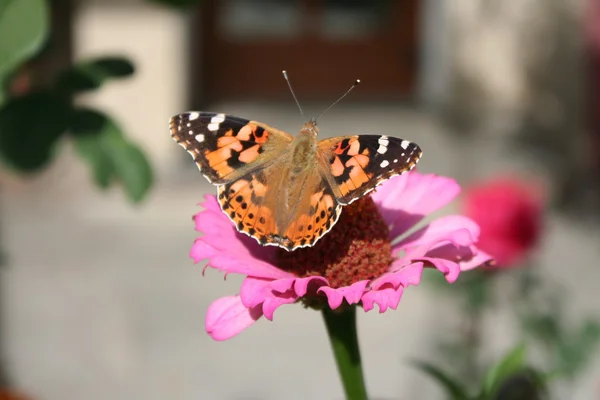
357, 248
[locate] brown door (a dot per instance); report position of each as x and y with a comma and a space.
323, 44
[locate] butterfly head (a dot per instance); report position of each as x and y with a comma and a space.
310, 128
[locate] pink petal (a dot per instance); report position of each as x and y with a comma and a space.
481, 258
404, 200
443, 227
210, 203
507, 252
282, 285
272, 294
509, 211
467, 257
385, 298
227, 316
311, 283
352, 293
228, 250
400, 275
233, 262
272, 303
449, 268
254, 291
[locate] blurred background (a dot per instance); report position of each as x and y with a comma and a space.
98, 296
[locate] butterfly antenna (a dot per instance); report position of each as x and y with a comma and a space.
292, 90
338, 100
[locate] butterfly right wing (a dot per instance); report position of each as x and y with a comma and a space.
355, 165
225, 147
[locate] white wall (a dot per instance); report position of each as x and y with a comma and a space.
156, 39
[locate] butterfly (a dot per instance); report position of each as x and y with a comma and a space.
283, 190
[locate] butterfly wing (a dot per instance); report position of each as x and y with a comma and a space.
260, 211
355, 165
315, 216
225, 147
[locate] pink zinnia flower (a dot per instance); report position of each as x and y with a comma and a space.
367, 258
509, 213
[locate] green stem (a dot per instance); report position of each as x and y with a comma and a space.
341, 327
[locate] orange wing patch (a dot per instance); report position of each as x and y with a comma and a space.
349, 163
357, 164
223, 145
316, 222
235, 148
242, 201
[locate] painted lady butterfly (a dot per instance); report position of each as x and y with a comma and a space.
282, 190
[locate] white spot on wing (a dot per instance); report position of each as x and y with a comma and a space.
395, 160
200, 138
190, 132
193, 116
217, 119
405, 144
383, 143
384, 163
213, 126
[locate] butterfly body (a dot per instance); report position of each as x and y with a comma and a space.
283, 190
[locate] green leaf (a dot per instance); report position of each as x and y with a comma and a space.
527, 384
575, 349
85, 121
511, 364
103, 171
113, 67
23, 31
30, 126
92, 74
134, 170
452, 387
110, 155
544, 327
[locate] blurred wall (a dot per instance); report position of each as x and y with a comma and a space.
156, 39
516, 60
434, 74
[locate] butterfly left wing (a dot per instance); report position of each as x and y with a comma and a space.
225, 147
258, 208
355, 165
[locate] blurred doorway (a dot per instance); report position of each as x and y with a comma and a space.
324, 44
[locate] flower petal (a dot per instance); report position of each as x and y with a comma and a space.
228, 250
227, 316
385, 298
404, 200
233, 262
480, 258
352, 293
450, 269
311, 283
509, 211
400, 275
254, 291
272, 303
467, 257
464, 230
274, 293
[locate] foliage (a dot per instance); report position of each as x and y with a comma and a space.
25, 22
509, 378
34, 124
566, 347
